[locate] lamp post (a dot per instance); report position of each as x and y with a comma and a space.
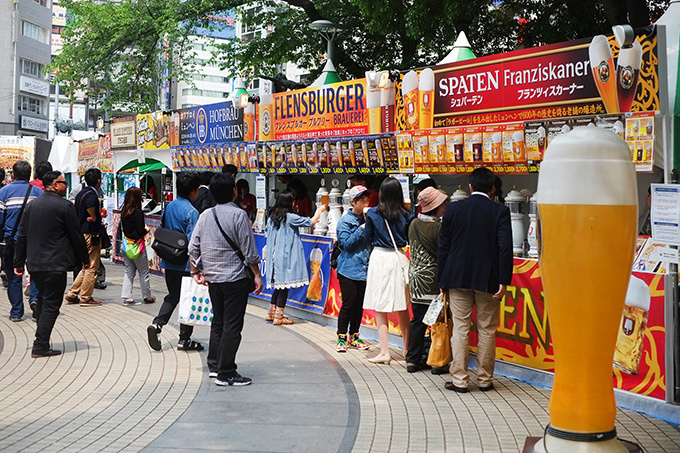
328, 30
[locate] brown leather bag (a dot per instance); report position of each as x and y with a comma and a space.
440, 333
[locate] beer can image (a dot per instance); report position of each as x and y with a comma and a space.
587, 191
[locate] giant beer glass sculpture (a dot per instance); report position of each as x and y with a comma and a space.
587, 205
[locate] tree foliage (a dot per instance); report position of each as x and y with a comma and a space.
123, 48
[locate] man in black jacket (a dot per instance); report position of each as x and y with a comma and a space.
475, 266
204, 200
50, 249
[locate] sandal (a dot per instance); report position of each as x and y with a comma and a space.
189, 345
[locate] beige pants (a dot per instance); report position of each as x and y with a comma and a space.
83, 286
462, 302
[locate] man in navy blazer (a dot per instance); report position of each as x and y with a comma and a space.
475, 266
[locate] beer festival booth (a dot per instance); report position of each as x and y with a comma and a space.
499, 111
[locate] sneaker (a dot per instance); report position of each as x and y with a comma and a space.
90, 303
15, 318
34, 308
212, 374
234, 380
342, 343
358, 343
128, 302
100, 285
189, 345
154, 342
3, 277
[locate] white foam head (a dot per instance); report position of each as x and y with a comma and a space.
599, 50
250, 109
496, 137
587, 166
565, 128
541, 132
387, 94
266, 99
631, 56
638, 294
409, 83
316, 255
426, 80
618, 127
372, 99
518, 136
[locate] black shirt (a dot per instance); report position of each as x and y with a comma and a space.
88, 198
134, 226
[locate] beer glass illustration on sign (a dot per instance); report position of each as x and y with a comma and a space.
633, 325
409, 89
617, 86
426, 98
316, 283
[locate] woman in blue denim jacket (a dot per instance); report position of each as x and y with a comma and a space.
286, 263
352, 269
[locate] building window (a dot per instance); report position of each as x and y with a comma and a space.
207, 93
29, 104
41, 2
209, 78
34, 31
31, 67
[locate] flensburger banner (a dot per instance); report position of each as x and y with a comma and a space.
210, 124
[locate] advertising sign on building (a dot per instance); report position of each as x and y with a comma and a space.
95, 153
34, 86
207, 124
585, 77
123, 134
34, 124
333, 110
13, 148
153, 130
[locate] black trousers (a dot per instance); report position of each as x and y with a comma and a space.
352, 309
229, 301
416, 334
173, 281
279, 297
51, 287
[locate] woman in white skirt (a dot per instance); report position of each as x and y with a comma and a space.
386, 282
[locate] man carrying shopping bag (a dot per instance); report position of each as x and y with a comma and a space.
223, 242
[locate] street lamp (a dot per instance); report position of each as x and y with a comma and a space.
328, 30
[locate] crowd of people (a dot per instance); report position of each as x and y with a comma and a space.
461, 249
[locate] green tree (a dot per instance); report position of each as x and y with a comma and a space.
120, 48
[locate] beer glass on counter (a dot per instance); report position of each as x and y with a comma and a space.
587, 191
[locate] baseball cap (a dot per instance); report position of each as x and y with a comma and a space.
357, 191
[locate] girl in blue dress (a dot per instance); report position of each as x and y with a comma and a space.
286, 263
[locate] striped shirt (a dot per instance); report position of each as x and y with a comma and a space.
208, 246
11, 199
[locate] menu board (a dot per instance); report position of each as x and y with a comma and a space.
246, 156
639, 133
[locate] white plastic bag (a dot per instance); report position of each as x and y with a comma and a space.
194, 304
433, 312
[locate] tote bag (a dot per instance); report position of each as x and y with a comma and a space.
440, 334
194, 304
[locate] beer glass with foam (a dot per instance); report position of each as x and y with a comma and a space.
249, 122
426, 99
409, 89
602, 64
373, 104
633, 325
315, 287
628, 75
585, 278
496, 145
518, 146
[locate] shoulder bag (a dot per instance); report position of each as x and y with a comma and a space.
239, 253
7, 245
170, 245
403, 261
440, 334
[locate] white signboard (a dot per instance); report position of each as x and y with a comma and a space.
665, 214
261, 192
123, 134
34, 86
34, 124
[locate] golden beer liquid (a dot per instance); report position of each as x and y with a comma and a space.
578, 275
605, 80
375, 120
411, 106
315, 286
249, 127
631, 339
426, 105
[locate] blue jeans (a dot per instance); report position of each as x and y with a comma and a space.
15, 294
